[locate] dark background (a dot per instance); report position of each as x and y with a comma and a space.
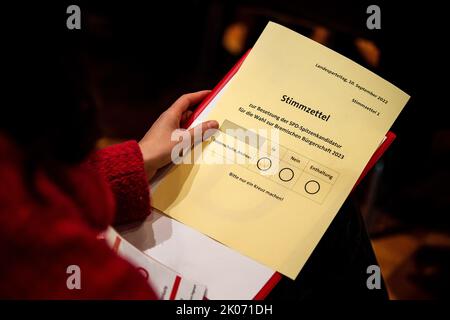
138, 57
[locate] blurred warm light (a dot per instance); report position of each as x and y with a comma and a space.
321, 35
369, 51
234, 38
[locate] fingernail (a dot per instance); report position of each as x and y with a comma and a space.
213, 124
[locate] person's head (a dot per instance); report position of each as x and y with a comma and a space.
46, 111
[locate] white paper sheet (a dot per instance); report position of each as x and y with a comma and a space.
226, 273
168, 284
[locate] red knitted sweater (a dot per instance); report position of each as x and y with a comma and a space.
39, 239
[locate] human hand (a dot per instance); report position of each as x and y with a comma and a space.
156, 146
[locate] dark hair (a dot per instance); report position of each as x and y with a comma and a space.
48, 113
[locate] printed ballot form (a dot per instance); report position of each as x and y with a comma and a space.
311, 120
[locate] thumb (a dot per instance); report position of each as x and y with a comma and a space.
197, 133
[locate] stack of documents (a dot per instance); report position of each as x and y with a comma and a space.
313, 119
298, 124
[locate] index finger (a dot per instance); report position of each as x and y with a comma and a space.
187, 100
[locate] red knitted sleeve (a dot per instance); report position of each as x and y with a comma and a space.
41, 240
123, 167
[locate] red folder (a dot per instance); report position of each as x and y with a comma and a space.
390, 136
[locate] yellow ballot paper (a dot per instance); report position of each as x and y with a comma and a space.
313, 119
